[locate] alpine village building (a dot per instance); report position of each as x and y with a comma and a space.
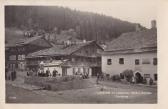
69, 58
136, 51
18, 46
68, 55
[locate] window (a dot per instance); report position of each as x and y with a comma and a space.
19, 57
73, 59
146, 61
155, 77
121, 60
136, 61
154, 61
109, 61
87, 52
146, 75
12, 57
23, 57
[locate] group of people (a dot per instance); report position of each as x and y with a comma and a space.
82, 75
42, 73
144, 80
133, 80
10, 75
100, 77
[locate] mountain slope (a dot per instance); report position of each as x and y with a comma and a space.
89, 26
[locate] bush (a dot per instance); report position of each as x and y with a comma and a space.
128, 74
47, 87
116, 77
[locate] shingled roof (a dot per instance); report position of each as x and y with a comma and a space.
134, 40
59, 50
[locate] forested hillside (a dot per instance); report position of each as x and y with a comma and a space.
89, 26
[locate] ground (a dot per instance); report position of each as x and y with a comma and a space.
105, 92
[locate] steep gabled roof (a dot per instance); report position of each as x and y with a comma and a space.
59, 50
134, 40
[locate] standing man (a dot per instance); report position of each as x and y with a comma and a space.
54, 72
11, 75
14, 74
42, 73
48, 72
98, 77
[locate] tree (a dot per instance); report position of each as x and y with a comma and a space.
89, 26
128, 74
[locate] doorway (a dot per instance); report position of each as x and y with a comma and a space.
139, 78
96, 70
64, 71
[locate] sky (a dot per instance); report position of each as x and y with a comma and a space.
136, 11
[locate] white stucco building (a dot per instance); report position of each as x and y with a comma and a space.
135, 51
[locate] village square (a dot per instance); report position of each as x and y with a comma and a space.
62, 65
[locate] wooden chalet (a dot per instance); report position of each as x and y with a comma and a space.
17, 47
69, 58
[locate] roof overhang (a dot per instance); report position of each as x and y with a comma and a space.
129, 51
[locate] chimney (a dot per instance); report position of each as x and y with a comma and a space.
137, 27
153, 24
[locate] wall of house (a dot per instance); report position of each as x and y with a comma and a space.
145, 66
16, 61
70, 71
15, 56
89, 50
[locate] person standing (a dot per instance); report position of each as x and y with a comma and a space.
42, 73
28, 73
102, 76
14, 74
54, 73
98, 77
133, 80
48, 72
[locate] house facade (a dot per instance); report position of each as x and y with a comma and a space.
68, 59
136, 51
144, 63
15, 53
